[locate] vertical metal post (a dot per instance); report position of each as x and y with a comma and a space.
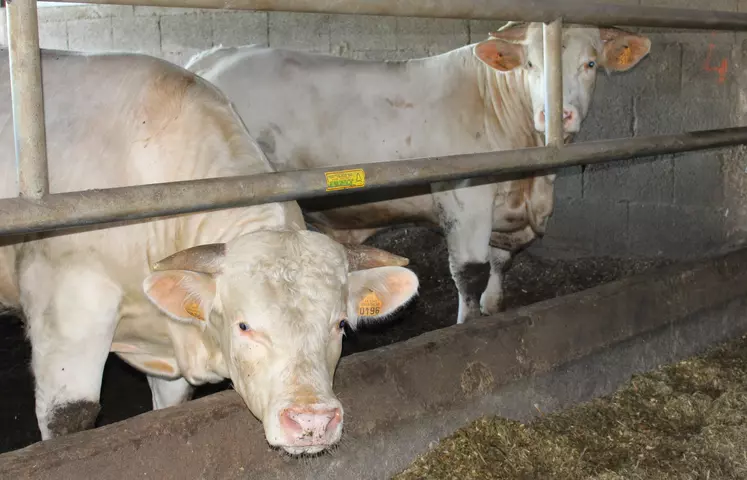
552, 36
28, 102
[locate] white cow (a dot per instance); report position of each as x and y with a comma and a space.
247, 293
309, 110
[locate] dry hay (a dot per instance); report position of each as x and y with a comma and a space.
683, 421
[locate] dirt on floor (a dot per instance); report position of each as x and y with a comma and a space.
125, 392
683, 421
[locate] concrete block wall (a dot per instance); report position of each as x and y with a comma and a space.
675, 205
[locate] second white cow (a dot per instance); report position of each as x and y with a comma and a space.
309, 110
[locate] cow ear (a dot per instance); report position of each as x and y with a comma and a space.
161, 366
183, 295
499, 54
377, 293
623, 50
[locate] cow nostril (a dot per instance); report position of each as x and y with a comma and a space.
306, 423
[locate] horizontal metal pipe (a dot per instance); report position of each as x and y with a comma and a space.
27, 98
65, 210
571, 11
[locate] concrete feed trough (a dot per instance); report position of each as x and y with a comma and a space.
400, 398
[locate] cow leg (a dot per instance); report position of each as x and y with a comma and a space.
167, 393
466, 216
72, 312
492, 298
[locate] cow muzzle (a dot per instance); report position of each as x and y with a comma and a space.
309, 429
571, 120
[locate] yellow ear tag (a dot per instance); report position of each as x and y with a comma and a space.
193, 308
625, 56
370, 306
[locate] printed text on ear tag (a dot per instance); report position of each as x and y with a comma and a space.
193, 308
370, 306
625, 56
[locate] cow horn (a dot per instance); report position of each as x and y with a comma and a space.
202, 258
363, 257
511, 31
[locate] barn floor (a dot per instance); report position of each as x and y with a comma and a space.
686, 420
125, 392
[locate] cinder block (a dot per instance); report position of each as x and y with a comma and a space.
178, 57
363, 32
611, 235
708, 70
4, 31
90, 35
300, 31
648, 179
586, 225
163, 11
480, 29
687, 37
699, 178
674, 230
380, 55
136, 34
570, 227
434, 36
83, 12
610, 116
189, 33
240, 28
665, 114
52, 35
659, 72
569, 183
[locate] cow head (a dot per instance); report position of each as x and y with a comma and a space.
519, 47
275, 304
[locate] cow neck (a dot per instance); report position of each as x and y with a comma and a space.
508, 110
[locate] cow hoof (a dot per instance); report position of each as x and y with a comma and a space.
73, 417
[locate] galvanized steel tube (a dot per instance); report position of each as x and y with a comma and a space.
18, 215
552, 36
27, 98
572, 11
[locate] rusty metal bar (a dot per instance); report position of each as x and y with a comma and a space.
552, 36
28, 102
65, 210
572, 11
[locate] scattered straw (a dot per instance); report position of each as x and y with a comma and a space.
683, 421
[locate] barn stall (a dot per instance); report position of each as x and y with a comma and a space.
610, 221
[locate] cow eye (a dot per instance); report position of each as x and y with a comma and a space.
342, 324
591, 64
529, 65
243, 327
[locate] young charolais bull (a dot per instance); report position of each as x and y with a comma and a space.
247, 293
309, 110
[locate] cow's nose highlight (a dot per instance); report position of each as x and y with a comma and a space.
308, 426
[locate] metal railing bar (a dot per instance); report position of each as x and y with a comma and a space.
66, 210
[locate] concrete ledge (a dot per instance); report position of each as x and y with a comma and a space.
400, 398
